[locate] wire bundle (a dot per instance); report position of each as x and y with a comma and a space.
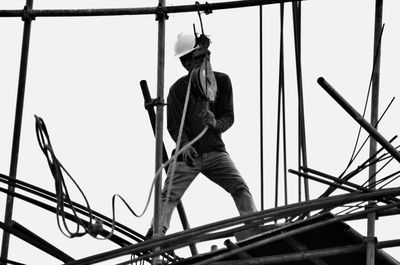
62, 195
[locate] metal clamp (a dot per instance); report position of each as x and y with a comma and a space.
371, 239
26, 15
154, 102
161, 13
207, 9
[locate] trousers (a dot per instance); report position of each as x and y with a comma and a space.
216, 166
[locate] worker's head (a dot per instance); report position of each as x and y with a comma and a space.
191, 50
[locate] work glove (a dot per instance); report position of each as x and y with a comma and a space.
208, 118
189, 155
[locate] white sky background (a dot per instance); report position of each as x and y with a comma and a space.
83, 80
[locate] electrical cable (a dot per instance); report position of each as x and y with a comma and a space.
56, 169
62, 193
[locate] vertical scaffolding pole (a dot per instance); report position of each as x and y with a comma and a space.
302, 151
159, 120
371, 242
261, 111
17, 124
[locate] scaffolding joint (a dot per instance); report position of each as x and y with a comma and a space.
154, 102
207, 8
371, 239
161, 13
371, 205
27, 15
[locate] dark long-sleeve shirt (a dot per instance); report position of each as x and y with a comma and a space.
222, 108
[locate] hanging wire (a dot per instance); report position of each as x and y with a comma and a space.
62, 193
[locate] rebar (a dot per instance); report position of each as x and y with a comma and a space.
356, 116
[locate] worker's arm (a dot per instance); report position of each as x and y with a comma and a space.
174, 114
224, 105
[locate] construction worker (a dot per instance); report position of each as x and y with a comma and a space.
212, 108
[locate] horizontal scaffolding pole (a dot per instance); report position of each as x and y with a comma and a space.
193, 234
159, 10
291, 257
28, 236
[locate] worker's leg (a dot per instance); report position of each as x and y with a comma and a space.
219, 167
183, 177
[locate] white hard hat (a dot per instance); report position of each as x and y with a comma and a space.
185, 43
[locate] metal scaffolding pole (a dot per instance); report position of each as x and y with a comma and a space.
190, 236
152, 116
358, 117
207, 7
371, 242
159, 124
17, 124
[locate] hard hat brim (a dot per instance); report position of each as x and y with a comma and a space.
179, 55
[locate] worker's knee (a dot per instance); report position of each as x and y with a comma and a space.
240, 191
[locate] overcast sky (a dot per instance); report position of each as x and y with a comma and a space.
83, 80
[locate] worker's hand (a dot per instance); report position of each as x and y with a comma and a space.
189, 155
208, 118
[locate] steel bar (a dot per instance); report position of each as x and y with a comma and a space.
190, 236
339, 180
301, 247
370, 258
355, 115
288, 234
10, 262
162, 10
292, 257
33, 190
39, 242
388, 243
152, 116
230, 245
305, 175
296, 7
356, 171
116, 239
345, 182
17, 125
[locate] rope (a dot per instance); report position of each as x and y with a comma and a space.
171, 171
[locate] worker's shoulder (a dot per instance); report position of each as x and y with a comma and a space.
181, 82
220, 74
